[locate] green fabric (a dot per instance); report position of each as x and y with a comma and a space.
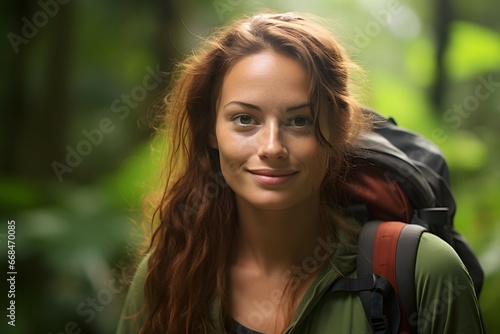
131, 318
446, 301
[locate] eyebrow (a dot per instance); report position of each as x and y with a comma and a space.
254, 107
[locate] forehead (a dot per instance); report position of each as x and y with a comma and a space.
268, 79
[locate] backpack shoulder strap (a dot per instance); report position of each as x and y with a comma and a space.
382, 296
389, 249
406, 258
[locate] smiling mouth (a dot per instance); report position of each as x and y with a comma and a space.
272, 176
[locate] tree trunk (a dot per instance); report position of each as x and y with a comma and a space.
443, 18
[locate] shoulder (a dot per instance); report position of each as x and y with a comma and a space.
436, 257
130, 320
446, 300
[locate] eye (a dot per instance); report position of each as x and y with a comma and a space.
243, 120
300, 121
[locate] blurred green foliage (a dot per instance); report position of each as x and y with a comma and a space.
76, 235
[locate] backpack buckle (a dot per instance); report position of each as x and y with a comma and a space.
380, 324
378, 321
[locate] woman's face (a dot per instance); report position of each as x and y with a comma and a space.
268, 150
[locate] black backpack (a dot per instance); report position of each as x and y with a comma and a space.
399, 185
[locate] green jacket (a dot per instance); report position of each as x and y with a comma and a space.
446, 301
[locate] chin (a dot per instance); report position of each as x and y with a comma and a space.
273, 202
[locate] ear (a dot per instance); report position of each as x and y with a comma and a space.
212, 141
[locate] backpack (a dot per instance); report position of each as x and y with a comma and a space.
399, 185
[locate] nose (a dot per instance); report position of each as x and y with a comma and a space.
271, 144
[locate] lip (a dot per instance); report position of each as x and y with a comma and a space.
272, 177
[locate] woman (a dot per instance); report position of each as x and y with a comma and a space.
251, 231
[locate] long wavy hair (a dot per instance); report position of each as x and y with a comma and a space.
192, 245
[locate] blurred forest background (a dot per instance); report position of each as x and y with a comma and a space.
81, 80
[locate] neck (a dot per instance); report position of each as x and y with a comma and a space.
275, 240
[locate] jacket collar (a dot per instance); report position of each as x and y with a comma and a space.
341, 262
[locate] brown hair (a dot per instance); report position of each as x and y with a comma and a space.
191, 246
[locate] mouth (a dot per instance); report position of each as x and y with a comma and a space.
272, 176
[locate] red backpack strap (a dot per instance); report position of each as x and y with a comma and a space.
389, 249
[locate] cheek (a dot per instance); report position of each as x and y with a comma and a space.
314, 155
317, 162
232, 155
229, 153
230, 167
